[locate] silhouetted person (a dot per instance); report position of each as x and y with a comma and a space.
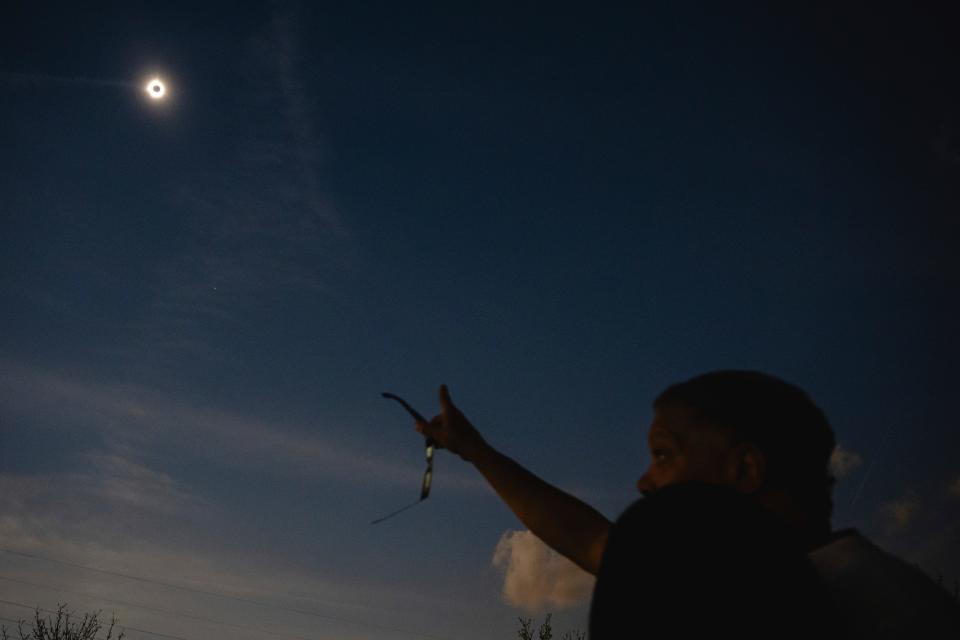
733, 533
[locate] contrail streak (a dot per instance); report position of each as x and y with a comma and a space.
40, 78
880, 450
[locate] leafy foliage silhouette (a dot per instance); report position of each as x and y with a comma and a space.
525, 632
62, 628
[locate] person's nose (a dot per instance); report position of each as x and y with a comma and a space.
645, 485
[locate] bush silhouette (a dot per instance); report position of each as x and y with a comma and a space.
62, 628
525, 632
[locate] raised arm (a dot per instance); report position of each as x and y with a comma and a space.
571, 527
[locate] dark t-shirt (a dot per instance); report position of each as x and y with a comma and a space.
697, 560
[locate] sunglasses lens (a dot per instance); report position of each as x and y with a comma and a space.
425, 490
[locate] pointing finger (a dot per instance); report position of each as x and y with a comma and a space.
446, 404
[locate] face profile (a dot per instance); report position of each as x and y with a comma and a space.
686, 448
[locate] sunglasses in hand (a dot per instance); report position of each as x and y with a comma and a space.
431, 445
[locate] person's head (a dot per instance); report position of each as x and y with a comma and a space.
750, 431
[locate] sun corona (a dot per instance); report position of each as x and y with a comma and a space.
156, 89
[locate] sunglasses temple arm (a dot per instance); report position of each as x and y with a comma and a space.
413, 412
416, 415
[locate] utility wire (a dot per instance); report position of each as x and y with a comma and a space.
222, 595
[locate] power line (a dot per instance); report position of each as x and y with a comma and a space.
125, 628
225, 596
156, 609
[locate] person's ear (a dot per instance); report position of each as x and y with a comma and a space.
748, 467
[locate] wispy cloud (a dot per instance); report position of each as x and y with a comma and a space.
536, 577
109, 497
146, 418
43, 78
184, 591
111, 507
125, 481
259, 228
117, 512
284, 44
842, 462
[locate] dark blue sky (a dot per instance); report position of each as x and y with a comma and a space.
558, 213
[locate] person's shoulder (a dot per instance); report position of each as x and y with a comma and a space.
849, 556
849, 553
879, 591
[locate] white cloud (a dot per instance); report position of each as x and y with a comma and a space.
536, 577
902, 511
954, 487
842, 462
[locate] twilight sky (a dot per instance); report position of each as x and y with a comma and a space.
556, 212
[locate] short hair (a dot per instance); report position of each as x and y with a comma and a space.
778, 418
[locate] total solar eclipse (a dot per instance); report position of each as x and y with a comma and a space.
156, 89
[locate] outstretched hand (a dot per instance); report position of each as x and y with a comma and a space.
450, 429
